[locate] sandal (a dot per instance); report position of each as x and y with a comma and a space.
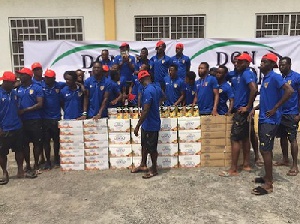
149, 175
139, 169
258, 191
4, 181
292, 173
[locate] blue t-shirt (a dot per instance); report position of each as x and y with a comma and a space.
291, 105
190, 91
9, 119
151, 95
27, 97
136, 89
173, 90
97, 91
160, 67
106, 62
205, 93
225, 93
183, 63
51, 106
241, 91
139, 63
125, 70
115, 90
270, 94
72, 100
40, 83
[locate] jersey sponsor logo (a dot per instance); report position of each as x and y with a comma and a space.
162, 61
91, 86
79, 94
57, 90
68, 94
266, 85
31, 91
101, 88
289, 82
183, 61
206, 83
193, 92
220, 90
175, 85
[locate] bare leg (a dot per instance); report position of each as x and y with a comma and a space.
268, 164
154, 156
294, 152
235, 153
19, 157
246, 154
3, 164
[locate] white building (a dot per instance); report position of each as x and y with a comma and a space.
129, 20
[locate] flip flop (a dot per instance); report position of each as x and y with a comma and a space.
149, 175
139, 169
228, 174
248, 169
4, 181
292, 173
258, 191
277, 163
259, 180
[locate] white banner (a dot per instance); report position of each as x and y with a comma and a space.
62, 56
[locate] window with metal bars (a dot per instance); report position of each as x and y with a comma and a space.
169, 27
41, 29
281, 24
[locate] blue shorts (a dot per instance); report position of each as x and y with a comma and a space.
266, 135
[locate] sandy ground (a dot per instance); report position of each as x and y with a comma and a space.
175, 196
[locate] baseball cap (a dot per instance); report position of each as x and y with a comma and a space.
244, 56
26, 71
8, 76
105, 68
179, 45
124, 45
36, 65
143, 74
50, 73
159, 43
271, 57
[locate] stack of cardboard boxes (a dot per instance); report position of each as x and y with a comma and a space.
213, 142
71, 145
189, 133
120, 152
95, 144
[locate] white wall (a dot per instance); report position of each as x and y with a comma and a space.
91, 10
224, 18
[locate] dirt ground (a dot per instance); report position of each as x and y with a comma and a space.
175, 196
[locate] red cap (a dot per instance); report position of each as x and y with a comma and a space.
244, 56
105, 68
179, 45
8, 76
143, 74
159, 43
26, 71
36, 65
50, 73
124, 45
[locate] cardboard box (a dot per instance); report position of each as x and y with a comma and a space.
71, 146
136, 150
192, 123
71, 139
167, 149
72, 160
213, 134
102, 165
212, 156
71, 153
71, 131
95, 130
69, 167
70, 124
167, 137
213, 149
220, 119
213, 127
210, 142
188, 161
96, 138
119, 125
96, 145
95, 159
120, 150
228, 142
227, 162
92, 123
228, 128
229, 119
119, 138
136, 139
133, 123
189, 136
96, 152
189, 148
168, 124
212, 163
167, 162
120, 163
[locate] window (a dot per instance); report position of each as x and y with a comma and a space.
41, 29
169, 27
272, 25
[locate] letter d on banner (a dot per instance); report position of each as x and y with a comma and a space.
87, 60
222, 58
